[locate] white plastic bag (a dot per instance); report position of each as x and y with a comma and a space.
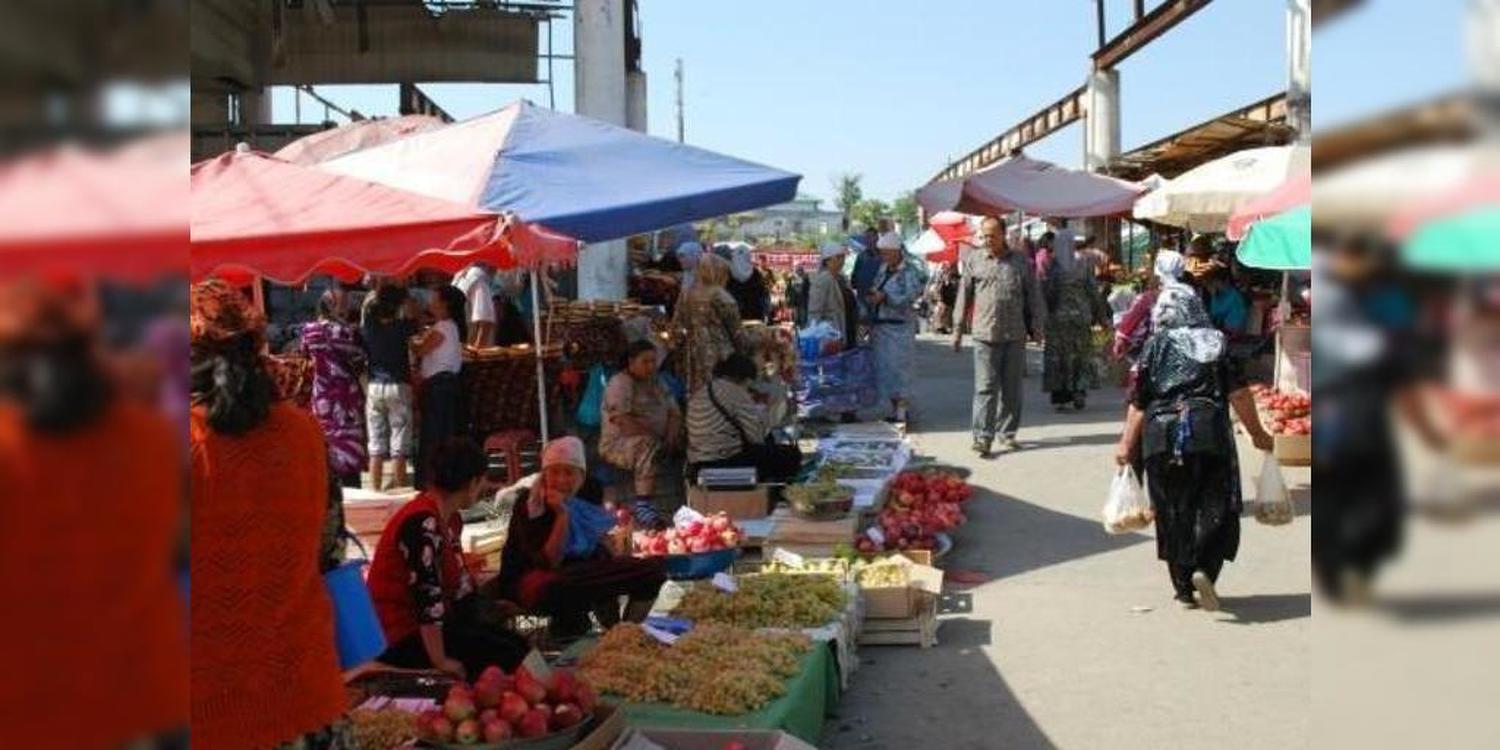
1273, 505
1127, 508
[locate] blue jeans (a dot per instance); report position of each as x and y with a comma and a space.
997, 388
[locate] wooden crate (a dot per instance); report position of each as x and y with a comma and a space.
906, 631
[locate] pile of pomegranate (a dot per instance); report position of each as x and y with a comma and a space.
1284, 413
498, 707
713, 533
918, 507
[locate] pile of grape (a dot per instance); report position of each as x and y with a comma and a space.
770, 600
715, 669
883, 574
382, 729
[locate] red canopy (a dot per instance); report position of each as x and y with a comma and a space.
1295, 192
254, 213
1480, 192
72, 211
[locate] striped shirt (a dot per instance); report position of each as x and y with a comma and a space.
711, 436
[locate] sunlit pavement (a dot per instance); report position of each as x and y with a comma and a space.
1075, 642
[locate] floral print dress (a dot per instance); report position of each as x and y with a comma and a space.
710, 330
338, 402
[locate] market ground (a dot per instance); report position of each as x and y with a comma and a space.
1074, 641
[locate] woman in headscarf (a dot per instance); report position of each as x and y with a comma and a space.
830, 298
747, 285
893, 323
707, 322
89, 528
1179, 419
688, 255
1073, 308
565, 556
338, 403
266, 518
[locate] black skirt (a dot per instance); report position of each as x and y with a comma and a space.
1197, 504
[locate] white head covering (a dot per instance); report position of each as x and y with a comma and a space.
688, 254
740, 266
567, 451
1063, 257
888, 241
1179, 315
831, 250
1169, 266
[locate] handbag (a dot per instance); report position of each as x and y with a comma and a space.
591, 406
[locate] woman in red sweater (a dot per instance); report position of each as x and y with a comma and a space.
265, 516
426, 597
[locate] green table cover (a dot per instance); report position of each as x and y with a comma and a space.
809, 695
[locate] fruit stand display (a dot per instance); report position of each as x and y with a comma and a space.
713, 677
919, 507
1473, 419
1288, 417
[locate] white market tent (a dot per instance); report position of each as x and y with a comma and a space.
1203, 198
1363, 196
1036, 187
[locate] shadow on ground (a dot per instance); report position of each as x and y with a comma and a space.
951, 697
1264, 608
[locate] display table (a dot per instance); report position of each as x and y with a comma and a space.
800, 711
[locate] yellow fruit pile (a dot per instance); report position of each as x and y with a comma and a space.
715, 669
770, 600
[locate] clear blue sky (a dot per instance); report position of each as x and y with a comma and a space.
892, 89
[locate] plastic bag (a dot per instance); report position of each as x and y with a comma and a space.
591, 406
1127, 508
1273, 505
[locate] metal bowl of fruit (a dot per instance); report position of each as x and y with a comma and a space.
820, 501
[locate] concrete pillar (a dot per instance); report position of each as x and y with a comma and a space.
599, 91
1101, 143
1483, 48
1299, 66
635, 100
1102, 120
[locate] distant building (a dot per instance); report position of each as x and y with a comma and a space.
803, 215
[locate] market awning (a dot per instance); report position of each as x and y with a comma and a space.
254, 213
119, 213
579, 176
355, 136
1456, 232
1295, 192
1203, 198
1363, 196
1041, 188
1280, 243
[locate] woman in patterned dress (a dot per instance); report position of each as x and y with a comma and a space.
338, 402
708, 320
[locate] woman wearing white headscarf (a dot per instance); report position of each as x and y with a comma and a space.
1073, 307
688, 255
830, 298
747, 285
893, 323
1179, 421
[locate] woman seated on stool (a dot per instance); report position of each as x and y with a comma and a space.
563, 555
726, 427
641, 425
423, 592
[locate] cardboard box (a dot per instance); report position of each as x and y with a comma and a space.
609, 724
1293, 450
750, 504
895, 602
708, 739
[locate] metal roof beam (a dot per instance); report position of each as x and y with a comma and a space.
1146, 29
1045, 122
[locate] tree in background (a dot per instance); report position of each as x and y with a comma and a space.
868, 212
847, 194
904, 211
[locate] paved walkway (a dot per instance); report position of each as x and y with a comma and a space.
1075, 641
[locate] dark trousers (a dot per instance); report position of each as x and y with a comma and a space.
777, 464
997, 388
466, 639
440, 402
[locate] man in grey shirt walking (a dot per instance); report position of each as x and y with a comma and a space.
1008, 308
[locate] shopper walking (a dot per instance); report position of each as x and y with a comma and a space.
1008, 308
338, 402
441, 395
1073, 308
388, 403
707, 321
1179, 420
894, 323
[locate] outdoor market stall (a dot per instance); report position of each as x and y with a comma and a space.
1040, 188
1203, 198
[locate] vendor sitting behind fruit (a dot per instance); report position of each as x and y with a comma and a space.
642, 425
424, 594
564, 556
727, 426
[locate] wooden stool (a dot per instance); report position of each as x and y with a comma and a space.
510, 443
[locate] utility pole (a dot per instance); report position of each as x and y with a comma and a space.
678, 76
